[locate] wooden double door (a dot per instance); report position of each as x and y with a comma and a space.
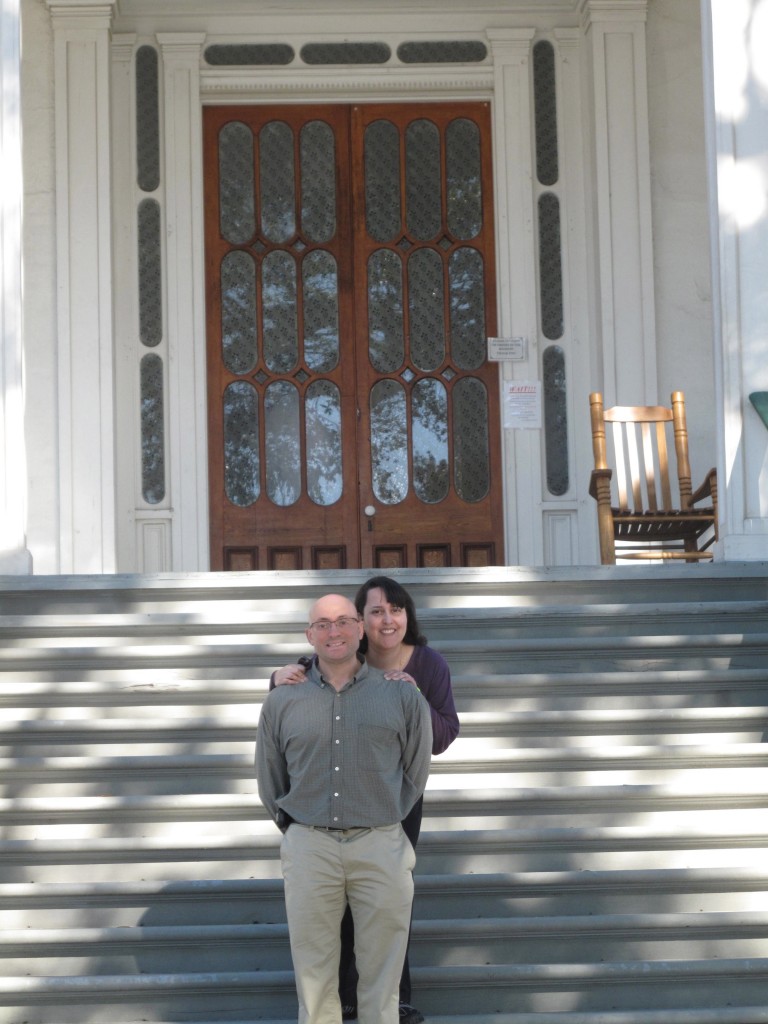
353, 417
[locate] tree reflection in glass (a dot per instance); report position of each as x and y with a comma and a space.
241, 443
282, 447
430, 440
322, 407
389, 442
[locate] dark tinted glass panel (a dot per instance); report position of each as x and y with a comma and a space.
248, 53
545, 113
439, 52
555, 420
152, 430
550, 267
345, 53
147, 119
150, 274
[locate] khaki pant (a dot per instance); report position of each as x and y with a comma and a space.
372, 869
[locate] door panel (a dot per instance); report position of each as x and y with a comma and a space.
430, 476
281, 401
353, 419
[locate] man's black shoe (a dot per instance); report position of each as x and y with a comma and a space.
349, 1012
409, 1014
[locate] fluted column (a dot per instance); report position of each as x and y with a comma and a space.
84, 271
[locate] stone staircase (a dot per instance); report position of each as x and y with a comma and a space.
594, 843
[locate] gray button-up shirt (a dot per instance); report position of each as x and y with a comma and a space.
357, 757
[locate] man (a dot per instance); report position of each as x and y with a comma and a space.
341, 758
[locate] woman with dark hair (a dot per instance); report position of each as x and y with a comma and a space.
393, 642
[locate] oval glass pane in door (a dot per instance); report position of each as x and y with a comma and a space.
322, 411
471, 444
389, 442
241, 443
429, 409
282, 443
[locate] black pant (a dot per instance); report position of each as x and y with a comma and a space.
347, 969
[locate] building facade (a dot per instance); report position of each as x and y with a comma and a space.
316, 286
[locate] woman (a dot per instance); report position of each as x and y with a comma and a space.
393, 643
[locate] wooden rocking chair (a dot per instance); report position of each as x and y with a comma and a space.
635, 507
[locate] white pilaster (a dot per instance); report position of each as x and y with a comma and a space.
14, 556
735, 41
187, 454
515, 272
614, 33
84, 269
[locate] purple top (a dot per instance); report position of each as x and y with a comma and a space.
433, 677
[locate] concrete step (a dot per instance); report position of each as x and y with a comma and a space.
76, 776
696, 1015
454, 990
663, 652
263, 592
742, 843
220, 901
287, 624
153, 948
747, 791
120, 689
742, 724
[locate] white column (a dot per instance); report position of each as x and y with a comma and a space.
14, 556
614, 33
84, 271
516, 276
736, 76
187, 454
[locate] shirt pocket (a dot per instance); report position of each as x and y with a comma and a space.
378, 748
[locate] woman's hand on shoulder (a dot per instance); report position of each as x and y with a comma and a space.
290, 674
405, 676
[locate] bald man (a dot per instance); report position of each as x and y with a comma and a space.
341, 758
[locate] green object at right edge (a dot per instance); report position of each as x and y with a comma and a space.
760, 401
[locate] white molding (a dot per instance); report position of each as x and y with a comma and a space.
14, 556
126, 308
187, 454
516, 278
617, 88
578, 287
84, 267
286, 86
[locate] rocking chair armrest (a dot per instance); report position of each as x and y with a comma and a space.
708, 489
597, 475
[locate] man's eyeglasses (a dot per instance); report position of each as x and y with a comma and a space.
344, 622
